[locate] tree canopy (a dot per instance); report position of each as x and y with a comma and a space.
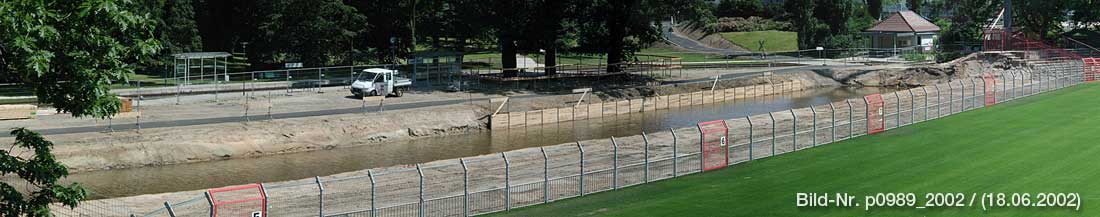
69, 53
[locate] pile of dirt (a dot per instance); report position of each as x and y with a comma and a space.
921, 75
807, 78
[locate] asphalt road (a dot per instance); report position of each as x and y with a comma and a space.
262, 116
693, 45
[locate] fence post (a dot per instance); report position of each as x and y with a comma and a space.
772, 116
851, 119
420, 209
702, 153
675, 157
581, 176
974, 102
614, 164
645, 141
465, 187
750, 137
210, 202
545, 176
813, 138
939, 102
1004, 87
897, 115
912, 107
179, 87
1013, 95
952, 91
373, 198
171, 212
867, 114
794, 130
507, 182
138, 108
216, 81
925, 90
320, 196
832, 122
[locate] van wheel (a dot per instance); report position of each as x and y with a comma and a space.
373, 93
397, 92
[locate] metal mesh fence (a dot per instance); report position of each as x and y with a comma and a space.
519, 178
347, 196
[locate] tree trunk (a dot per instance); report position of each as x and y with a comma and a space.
616, 24
550, 60
553, 12
508, 56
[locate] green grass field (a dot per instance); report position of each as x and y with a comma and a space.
774, 41
1045, 143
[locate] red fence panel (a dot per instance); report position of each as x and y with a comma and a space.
1092, 69
714, 139
242, 200
990, 89
875, 118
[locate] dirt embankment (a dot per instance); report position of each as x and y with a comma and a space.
807, 78
163, 146
617, 93
919, 75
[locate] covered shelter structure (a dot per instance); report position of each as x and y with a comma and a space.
903, 31
200, 64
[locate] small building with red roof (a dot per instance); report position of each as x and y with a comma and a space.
904, 30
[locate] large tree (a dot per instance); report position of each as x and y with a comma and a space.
739, 8
315, 32
1086, 13
179, 32
390, 22
618, 28
874, 8
971, 18
1040, 17
914, 5
69, 53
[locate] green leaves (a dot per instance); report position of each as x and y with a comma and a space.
41, 171
69, 53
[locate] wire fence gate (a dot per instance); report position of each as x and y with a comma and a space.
519, 178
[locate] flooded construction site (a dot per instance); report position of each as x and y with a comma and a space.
212, 174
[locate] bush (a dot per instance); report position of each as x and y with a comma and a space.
915, 57
737, 24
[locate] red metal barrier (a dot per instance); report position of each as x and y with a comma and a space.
875, 118
1092, 69
714, 139
242, 200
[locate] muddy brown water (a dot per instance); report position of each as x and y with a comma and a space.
182, 177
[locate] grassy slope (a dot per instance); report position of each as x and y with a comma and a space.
773, 40
1012, 147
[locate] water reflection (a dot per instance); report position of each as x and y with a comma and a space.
170, 178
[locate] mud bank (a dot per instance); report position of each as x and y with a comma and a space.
164, 146
808, 79
920, 75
